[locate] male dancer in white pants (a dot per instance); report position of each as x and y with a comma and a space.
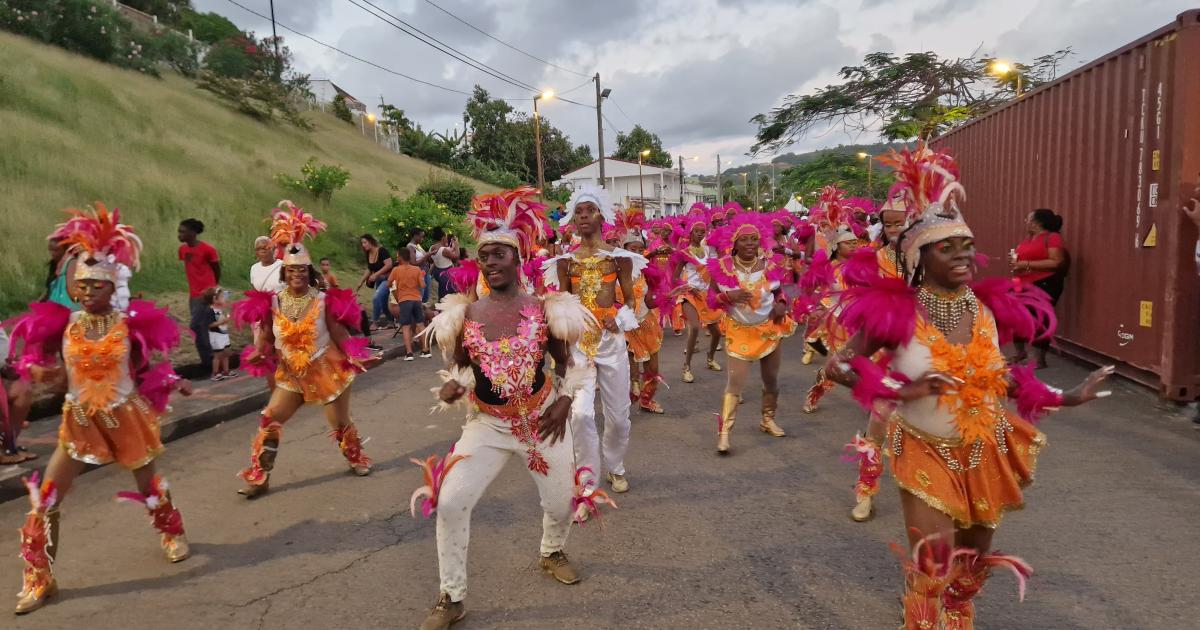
592, 272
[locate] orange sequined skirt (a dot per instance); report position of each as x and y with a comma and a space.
707, 315
322, 382
646, 339
751, 343
127, 433
975, 484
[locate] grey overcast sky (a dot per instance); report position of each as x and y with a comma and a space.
692, 71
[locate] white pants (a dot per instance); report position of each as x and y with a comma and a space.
487, 442
610, 369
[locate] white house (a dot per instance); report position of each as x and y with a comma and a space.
658, 189
324, 91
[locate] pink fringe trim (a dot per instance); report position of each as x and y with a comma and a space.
1032, 396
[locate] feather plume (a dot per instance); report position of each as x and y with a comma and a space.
97, 234
156, 384
356, 351
291, 224
38, 334
448, 323
718, 273
264, 368
1021, 311
255, 308
885, 310
861, 268
819, 275
151, 330
566, 316
434, 469
464, 275
588, 498
872, 381
923, 178
343, 305
514, 209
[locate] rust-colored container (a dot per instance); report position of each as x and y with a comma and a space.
1114, 147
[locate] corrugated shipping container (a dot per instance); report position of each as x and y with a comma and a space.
1114, 147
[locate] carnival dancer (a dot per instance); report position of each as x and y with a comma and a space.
117, 380
746, 283
646, 340
306, 342
496, 346
867, 451
690, 272
825, 332
959, 455
593, 271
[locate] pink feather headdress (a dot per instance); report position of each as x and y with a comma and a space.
103, 242
290, 225
630, 222
927, 185
739, 225
512, 217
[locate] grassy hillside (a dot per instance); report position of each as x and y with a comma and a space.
73, 131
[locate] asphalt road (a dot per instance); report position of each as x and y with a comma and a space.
760, 539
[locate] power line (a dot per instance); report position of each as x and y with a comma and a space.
618, 105
351, 55
588, 82
506, 44
438, 45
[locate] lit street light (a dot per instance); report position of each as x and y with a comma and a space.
863, 155
1003, 69
645, 153
537, 140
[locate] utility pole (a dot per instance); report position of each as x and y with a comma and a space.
757, 190
275, 38
537, 143
720, 198
680, 184
600, 127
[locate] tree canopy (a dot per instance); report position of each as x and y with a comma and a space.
848, 172
629, 145
504, 137
917, 95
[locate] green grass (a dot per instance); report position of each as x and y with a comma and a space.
73, 131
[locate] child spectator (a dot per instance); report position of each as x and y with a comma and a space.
327, 276
406, 282
218, 332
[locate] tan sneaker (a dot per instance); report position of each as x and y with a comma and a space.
863, 510
557, 566
445, 614
688, 377
713, 365
619, 483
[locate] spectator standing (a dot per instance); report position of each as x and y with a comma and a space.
1040, 260
379, 265
218, 332
406, 281
327, 276
59, 289
420, 258
265, 273
444, 255
202, 265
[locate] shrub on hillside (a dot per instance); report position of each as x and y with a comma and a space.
487, 172
87, 27
263, 99
318, 180
453, 192
393, 224
209, 28
341, 109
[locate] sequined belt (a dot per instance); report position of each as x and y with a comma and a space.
79, 413
523, 415
517, 408
944, 445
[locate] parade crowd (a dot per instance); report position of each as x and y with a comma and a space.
541, 324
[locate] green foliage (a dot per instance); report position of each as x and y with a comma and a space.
394, 222
431, 147
318, 180
262, 99
844, 170
87, 27
168, 11
629, 145
453, 192
209, 28
393, 119
486, 172
178, 52
917, 95
341, 110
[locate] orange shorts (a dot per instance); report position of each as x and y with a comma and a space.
941, 475
324, 380
751, 343
707, 315
127, 433
646, 339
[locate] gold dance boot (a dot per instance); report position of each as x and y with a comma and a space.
725, 422
263, 451
770, 402
348, 440
39, 547
165, 517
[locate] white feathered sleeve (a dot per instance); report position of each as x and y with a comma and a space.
566, 316
448, 324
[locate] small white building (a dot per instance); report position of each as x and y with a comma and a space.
658, 189
324, 91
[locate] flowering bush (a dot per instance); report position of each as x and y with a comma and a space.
87, 27
393, 224
320, 181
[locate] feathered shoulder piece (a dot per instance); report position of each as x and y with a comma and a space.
448, 324
343, 306
883, 309
151, 330
566, 316
290, 224
98, 235
37, 335
1021, 312
512, 217
255, 308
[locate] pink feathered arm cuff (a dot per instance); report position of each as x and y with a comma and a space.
1033, 397
255, 308
874, 382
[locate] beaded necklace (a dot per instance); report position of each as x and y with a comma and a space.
946, 311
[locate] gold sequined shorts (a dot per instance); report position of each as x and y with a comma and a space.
127, 433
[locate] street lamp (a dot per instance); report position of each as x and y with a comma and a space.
645, 153
537, 141
863, 155
1002, 69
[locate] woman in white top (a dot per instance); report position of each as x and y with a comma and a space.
420, 258
264, 274
444, 255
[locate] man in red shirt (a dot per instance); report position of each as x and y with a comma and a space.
203, 268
